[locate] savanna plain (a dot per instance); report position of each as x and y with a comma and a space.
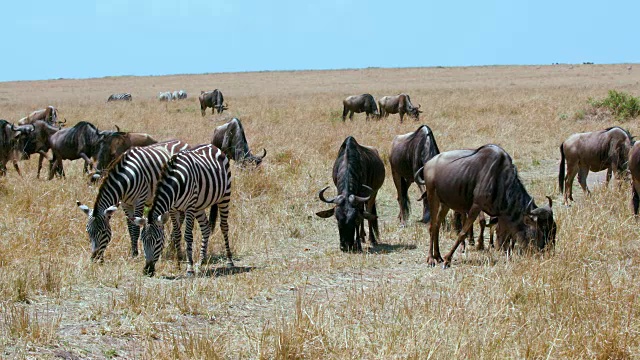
294, 294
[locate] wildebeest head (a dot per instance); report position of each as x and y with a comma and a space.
110, 147
542, 226
98, 229
231, 139
415, 112
349, 212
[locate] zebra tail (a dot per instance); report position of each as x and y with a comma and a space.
213, 217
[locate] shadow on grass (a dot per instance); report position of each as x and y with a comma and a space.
389, 248
213, 272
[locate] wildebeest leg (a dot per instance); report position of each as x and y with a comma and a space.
87, 162
345, 111
205, 229
177, 218
134, 230
440, 210
42, 156
402, 187
15, 166
426, 213
635, 197
482, 221
582, 179
401, 116
55, 165
572, 170
351, 115
466, 227
188, 238
374, 234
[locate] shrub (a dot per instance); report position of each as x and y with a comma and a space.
622, 105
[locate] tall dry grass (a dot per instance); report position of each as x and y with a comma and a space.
299, 296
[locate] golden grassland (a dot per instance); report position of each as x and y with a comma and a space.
296, 295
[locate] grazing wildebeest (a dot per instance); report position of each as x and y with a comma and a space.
485, 179
400, 103
115, 144
230, 138
358, 174
212, 99
409, 153
36, 141
119, 97
12, 139
48, 114
358, 104
130, 181
593, 151
165, 96
634, 169
80, 141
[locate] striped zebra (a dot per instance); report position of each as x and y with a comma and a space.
119, 97
193, 181
129, 181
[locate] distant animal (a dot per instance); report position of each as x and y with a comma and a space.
401, 104
115, 144
593, 151
119, 97
357, 104
634, 169
48, 114
79, 142
409, 153
485, 179
192, 181
165, 96
11, 139
36, 141
358, 174
181, 95
130, 181
230, 138
212, 99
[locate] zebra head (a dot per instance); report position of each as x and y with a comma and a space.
152, 240
98, 229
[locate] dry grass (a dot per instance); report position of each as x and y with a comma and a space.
297, 295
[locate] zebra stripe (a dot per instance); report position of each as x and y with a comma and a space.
130, 182
119, 97
192, 181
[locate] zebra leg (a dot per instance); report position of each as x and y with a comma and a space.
205, 228
188, 238
134, 230
223, 208
177, 218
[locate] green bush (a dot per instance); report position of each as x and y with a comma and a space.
622, 105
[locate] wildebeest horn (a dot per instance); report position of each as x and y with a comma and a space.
417, 178
550, 201
117, 127
63, 122
528, 207
321, 196
361, 199
264, 153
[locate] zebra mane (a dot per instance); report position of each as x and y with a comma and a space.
109, 171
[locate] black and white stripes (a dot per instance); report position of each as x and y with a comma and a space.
119, 97
192, 181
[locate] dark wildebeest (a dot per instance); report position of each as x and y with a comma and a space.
212, 99
634, 169
485, 179
37, 141
593, 151
119, 97
48, 114
80, 141
115, 144
409, 153
358, 104
358, 173
230, 138
400, 103
12, 139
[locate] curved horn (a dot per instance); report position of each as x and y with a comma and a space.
13, 128
63, 122
321, 196
550, 201
264, 153
528, 207
361, 199
419, 106
417, 178
117, 128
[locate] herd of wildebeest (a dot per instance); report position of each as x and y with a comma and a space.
180, 182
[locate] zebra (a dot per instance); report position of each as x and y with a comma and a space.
129, 181
193, 180
119, 97
181, 95
165, 96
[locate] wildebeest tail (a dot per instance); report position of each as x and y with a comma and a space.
213, 217
561, 170
635, 200
404, 190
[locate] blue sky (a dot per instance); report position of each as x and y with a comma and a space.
95, 38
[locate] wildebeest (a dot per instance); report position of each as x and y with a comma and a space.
358, 173
593, 151
80, 141
212, 99
358, 104
485, 179
400, 103
230, 138
119, 97
409, 153
36, 141
115, 144
634, 169
48, 114
10, 138
165, 96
